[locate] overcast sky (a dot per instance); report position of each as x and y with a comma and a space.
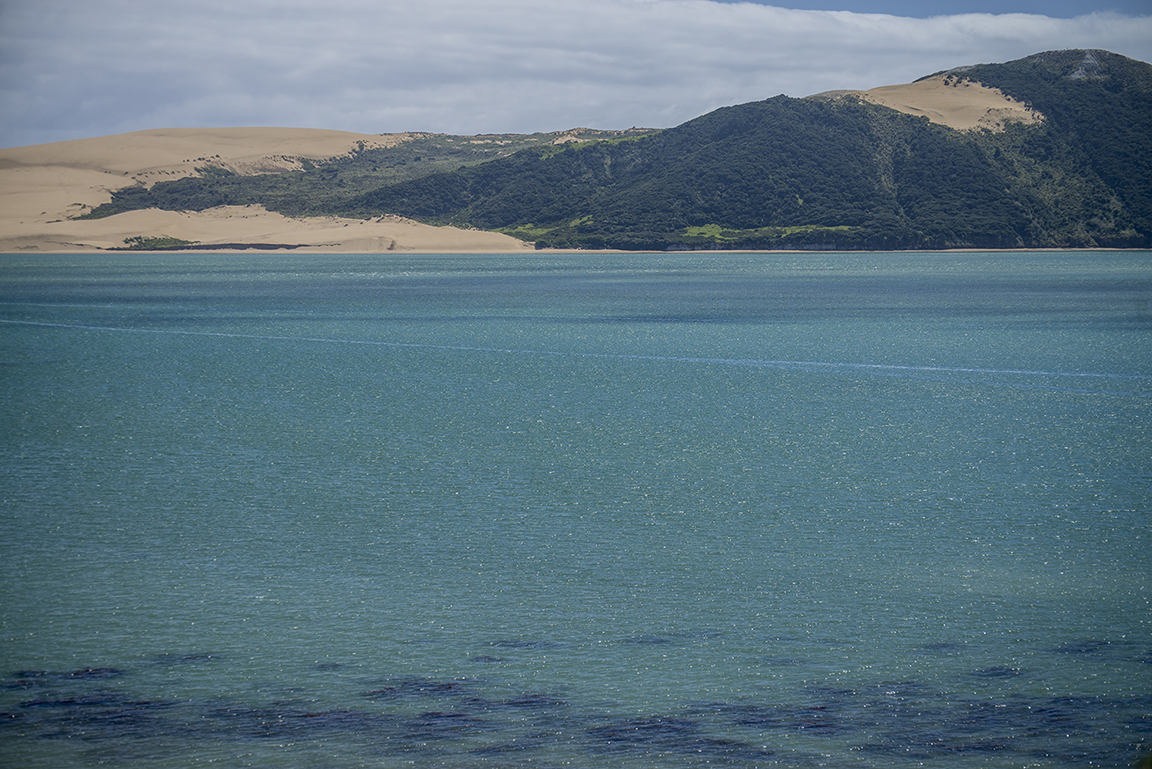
78, 68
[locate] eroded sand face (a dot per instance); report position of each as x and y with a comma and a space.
954, 102
43, 186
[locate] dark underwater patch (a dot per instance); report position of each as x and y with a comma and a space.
906, 746
997, 671
25, 683
646, 640
1087, 647
810, 719
670, 735
949, 648
95, 674
532, 702
95, 700
439, 725
645, 730
272, 722
526, 643
97, 716
418, 687
437, 717
507, 748
783, 661
31, 679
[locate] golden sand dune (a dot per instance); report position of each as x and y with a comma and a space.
952, 101
43, 186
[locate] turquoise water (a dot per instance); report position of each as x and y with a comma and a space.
843, 510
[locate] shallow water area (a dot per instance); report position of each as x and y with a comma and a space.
871, 510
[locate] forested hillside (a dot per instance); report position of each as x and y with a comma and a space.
778, 173
817, 173
1094, 153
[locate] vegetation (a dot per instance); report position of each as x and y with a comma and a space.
782, 173
162, 243
1092, 155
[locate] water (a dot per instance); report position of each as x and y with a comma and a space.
869, 510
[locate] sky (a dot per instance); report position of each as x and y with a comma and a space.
80, 68
922, 9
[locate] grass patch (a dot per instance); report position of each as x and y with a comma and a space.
718, 234
555, 149
526, 232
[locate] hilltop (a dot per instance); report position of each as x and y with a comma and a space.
1052, 150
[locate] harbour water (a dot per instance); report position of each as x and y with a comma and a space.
576, 510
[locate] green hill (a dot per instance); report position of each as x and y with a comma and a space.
817, 173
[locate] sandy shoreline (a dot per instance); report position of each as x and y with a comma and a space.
43, 187
230, 226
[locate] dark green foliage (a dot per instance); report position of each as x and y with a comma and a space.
781, 173
214, 171
1098, 135
162, 243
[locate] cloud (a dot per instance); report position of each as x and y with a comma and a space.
71, 69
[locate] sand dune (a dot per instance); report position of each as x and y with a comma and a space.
951, 101
43, 186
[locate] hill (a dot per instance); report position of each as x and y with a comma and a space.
1048, 151
839, 172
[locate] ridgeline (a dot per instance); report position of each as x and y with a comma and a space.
826, 172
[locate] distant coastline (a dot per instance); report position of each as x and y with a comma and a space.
976, 168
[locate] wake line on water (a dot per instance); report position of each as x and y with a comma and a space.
892, 369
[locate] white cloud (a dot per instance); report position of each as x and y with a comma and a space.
70, 69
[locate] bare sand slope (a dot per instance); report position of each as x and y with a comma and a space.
43, 186
954, 102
